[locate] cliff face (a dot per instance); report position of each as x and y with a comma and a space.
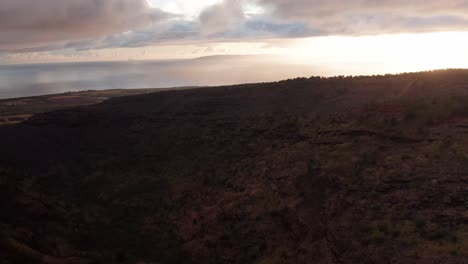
342, 170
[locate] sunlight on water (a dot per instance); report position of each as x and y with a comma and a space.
325, 56
383, 53
40, 79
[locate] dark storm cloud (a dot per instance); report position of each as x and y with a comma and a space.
32, 23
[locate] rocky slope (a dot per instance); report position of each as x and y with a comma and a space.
338, 170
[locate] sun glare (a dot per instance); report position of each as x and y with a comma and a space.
188, 9
383, 53
150, 3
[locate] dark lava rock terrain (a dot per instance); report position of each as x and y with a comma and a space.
311, 170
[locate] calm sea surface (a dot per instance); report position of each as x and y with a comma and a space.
40, 79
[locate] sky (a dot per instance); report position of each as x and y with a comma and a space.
335, 36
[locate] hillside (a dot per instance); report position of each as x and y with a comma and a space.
16, 110
312, 170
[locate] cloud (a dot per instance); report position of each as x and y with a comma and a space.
362, 17
222, 17
41, 25
32, 23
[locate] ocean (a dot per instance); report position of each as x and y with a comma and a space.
40, 79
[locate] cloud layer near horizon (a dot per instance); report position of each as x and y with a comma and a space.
27, 25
